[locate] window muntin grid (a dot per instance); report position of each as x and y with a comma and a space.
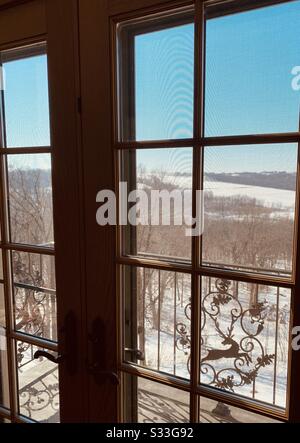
125, 107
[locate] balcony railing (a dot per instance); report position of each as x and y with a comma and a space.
244, 332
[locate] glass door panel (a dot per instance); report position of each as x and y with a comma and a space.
213, 310
29, 288
251, 61
154, 402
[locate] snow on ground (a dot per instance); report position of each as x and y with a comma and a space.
282, 199
270, 196
271, 383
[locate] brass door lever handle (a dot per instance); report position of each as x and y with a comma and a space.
98, 372
139, 355
39, 354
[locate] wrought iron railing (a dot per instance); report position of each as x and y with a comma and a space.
39, 398
244, 333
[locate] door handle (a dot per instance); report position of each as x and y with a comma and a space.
43, 354
139, 355
68, 341
98, 372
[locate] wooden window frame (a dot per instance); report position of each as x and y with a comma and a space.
203, 11
24, 23
31, 48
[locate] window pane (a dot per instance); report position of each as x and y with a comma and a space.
2, 307
163, 94
150, 402
250, 57
164, 176
26, 100
4, 383
1, 265
157, 319
250, 194
30, 199
245, 339
4, 380
35, 312
38, 386
34, 269
35, 297
212, 411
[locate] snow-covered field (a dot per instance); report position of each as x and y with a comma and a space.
269, 196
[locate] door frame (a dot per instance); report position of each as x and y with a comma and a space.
79, 40
98, 161
64, 93
26, 22
97, 19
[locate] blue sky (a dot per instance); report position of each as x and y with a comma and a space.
232, 159
27, 109
26, 102
249, 59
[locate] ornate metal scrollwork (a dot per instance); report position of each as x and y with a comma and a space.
237, 360
156, 408
183, 340
40, 399
30, 309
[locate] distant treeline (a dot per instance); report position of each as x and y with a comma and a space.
277, 180
29, 178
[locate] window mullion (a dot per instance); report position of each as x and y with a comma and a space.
294, 354
197, 185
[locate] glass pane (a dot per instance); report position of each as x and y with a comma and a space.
26, 100
2, 307
38, 386
4, 383
212, 411
150, 402
30, 199
160, 223
252, 72
35, 311
1, 265
163, 94
250, 195
158, 319
245, 339
35, 297
34, 269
